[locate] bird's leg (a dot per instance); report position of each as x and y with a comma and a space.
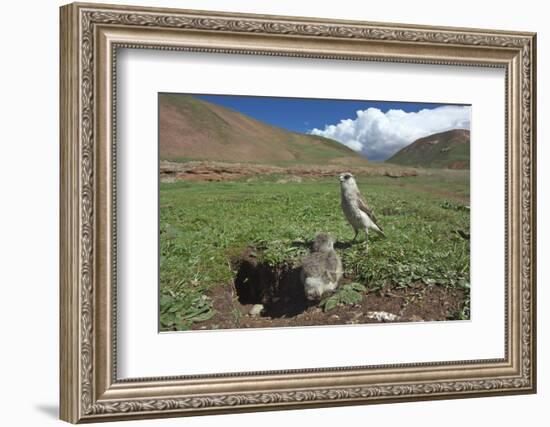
366, 239
356, 233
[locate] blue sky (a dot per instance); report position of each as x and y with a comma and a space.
303, 115
375, 129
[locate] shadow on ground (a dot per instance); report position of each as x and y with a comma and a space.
278, 289
48, 409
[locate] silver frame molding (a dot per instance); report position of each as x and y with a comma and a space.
90, 37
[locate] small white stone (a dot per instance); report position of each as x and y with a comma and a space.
382, 316
256, 310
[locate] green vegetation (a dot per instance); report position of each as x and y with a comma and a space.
350, 293
206, 225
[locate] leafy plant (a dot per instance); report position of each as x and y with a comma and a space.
454, 206
181, 312
348, 294
464, 312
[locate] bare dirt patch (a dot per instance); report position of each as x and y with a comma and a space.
459, 165
219, 171
429, 303
280, 292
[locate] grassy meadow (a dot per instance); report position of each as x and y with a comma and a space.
205, 226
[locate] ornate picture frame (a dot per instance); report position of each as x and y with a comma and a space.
90, 37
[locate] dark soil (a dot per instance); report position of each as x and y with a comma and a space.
280, 292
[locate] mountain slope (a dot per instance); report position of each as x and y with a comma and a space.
193, 129
450, 149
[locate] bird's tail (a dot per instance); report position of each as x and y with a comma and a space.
378, 229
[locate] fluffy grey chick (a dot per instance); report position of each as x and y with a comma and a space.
321, 269
355, 207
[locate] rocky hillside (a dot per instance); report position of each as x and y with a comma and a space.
193, 129
450, 149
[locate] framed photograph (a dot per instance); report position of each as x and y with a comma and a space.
267, 212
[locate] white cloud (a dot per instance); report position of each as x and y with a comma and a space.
378, 135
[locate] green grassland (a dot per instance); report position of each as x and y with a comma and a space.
205, 225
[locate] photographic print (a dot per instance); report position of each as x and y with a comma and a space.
279, 212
